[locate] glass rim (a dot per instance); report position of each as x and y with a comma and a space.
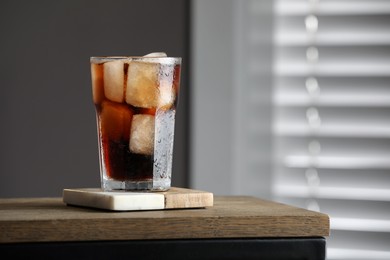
101, 59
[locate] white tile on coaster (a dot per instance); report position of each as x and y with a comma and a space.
118, 201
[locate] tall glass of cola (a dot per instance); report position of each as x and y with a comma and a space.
135, 100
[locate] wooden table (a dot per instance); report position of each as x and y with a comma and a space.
234, 228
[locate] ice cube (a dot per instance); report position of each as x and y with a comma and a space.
142, 134
149, 85
97, 83
114, 80
142, 84
166, 93
115, 121
156, 54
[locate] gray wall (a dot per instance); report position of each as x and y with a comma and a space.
231, 113
213, 38
48, 130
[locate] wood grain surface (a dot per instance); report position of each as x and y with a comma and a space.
49, 219
187, 198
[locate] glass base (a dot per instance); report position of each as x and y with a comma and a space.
112, 185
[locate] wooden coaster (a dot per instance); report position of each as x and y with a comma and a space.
175, 198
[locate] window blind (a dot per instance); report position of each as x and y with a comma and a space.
331, 123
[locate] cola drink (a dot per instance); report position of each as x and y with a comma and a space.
135, 100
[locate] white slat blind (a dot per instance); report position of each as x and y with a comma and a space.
332, 118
